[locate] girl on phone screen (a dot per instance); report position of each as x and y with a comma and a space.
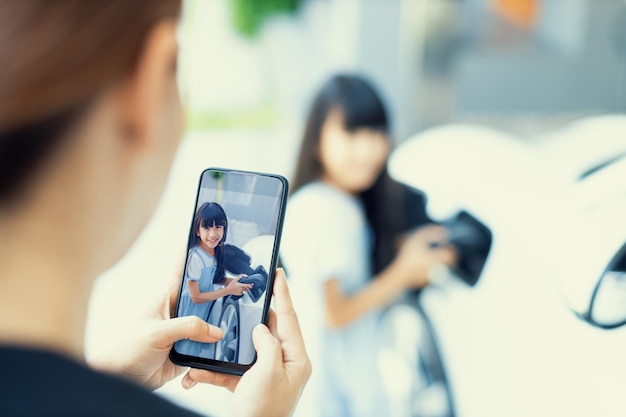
205, 268
341, 245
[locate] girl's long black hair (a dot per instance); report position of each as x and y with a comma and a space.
207, 215
391, 208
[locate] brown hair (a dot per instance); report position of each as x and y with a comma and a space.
56, 57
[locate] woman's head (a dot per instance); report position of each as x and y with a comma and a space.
89, 113
57, 58
346, 138
209, 231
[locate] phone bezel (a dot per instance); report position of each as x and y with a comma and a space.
212, 364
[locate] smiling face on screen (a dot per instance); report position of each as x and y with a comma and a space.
210, 227
210, 237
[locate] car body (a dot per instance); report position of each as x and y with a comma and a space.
236, 316
521, 341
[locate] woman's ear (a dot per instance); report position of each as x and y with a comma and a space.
146, 94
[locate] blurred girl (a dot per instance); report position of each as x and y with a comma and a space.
340, 243
205, 268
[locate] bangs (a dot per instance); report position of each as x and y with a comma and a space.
363, 114
359, 103
210, 215
205, 223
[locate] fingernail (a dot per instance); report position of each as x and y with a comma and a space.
215, 331
261, 329
188, 383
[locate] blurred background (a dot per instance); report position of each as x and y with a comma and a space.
515, 63
525, 69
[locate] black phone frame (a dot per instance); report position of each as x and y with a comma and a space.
212, 364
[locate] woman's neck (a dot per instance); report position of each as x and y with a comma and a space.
44, 292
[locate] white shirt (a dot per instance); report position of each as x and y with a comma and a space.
326, 236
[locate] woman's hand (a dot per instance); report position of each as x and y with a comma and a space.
274, 383
417, 255
143, 354
271, 387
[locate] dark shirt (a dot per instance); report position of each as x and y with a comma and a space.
40, 383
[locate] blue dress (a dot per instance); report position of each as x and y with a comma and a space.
200, 268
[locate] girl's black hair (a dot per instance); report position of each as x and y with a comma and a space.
207, 215
360, 106
391, 208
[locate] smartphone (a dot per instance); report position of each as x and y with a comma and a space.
232, 252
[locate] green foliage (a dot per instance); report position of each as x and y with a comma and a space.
260, 117
216, 174
248, 15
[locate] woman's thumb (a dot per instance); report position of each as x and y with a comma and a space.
268, 348
187, 327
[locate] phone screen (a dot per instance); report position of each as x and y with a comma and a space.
232, 252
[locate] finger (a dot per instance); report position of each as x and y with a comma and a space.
174, 287
282, 298
287, 325
268, 348
442, 233
187, 382
173, 299
433, 232
167, 332
271, 323
208, 377
448, 256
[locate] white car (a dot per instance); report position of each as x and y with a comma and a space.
537, 330
237, 316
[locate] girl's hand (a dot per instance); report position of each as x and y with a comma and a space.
417, 257
274, 383
237, 288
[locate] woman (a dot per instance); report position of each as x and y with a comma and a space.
90, 119
344, 223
